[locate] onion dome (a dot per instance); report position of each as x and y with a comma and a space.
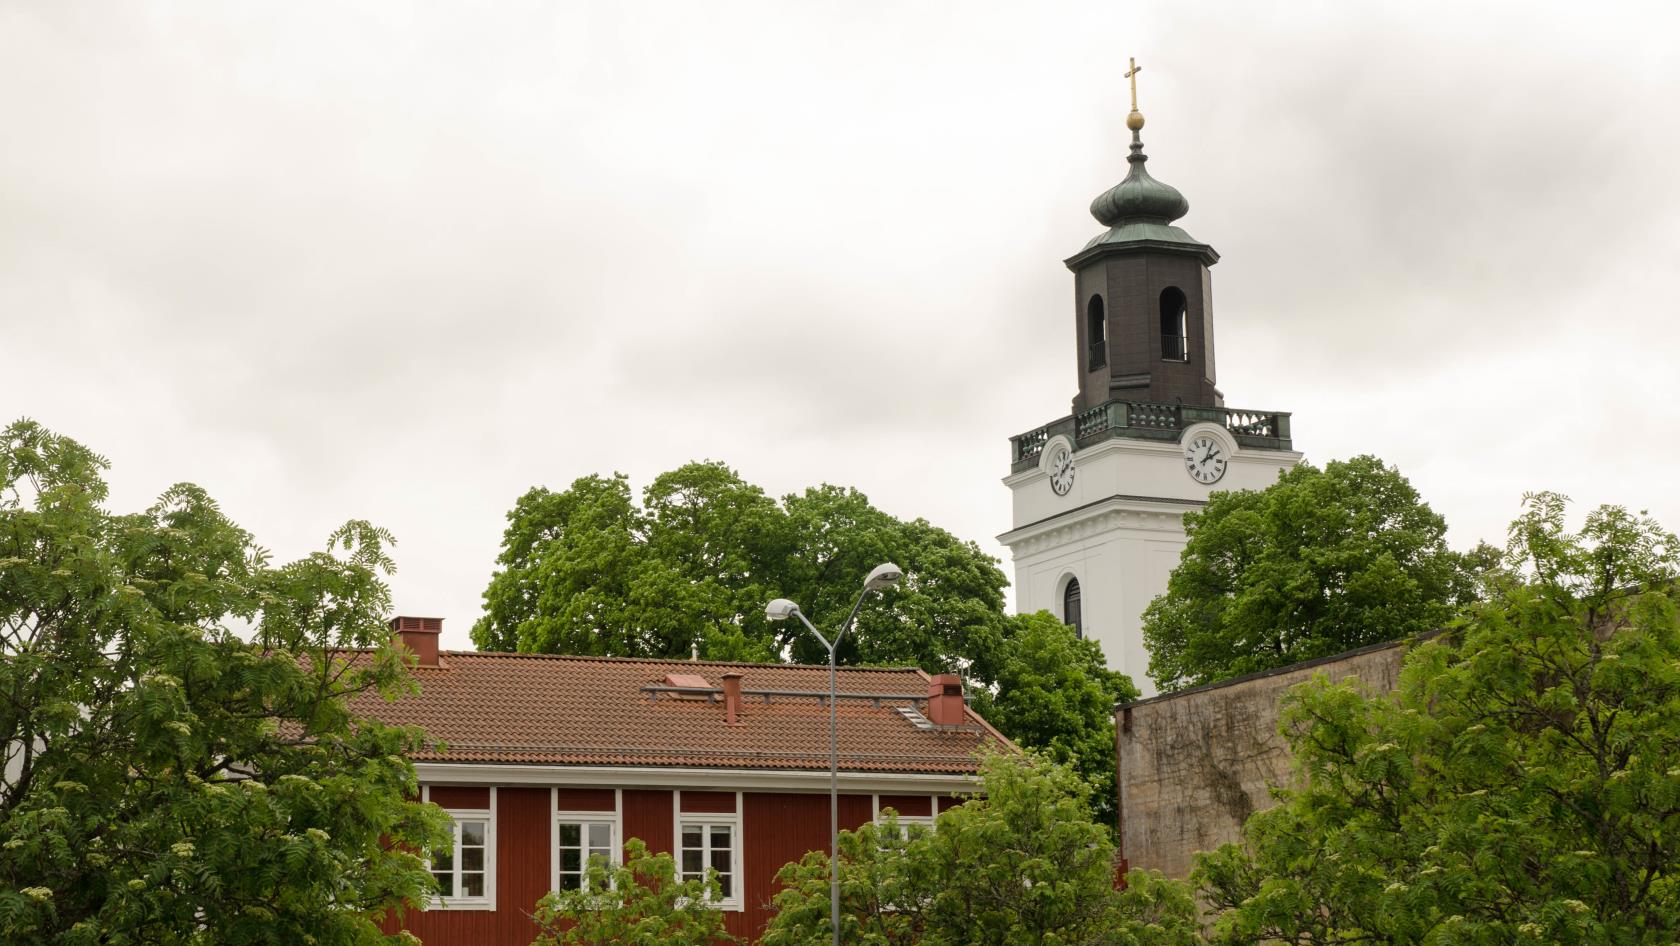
1139, 196
1139, 210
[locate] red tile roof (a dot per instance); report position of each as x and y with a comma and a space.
545, 709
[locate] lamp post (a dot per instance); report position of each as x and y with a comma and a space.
781, 609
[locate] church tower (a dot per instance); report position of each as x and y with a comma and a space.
1100, 494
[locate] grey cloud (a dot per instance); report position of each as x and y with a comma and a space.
403, 261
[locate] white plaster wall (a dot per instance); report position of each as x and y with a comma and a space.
1122, 467
1120, 531
1120, 570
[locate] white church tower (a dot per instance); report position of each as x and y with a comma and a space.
1100, 494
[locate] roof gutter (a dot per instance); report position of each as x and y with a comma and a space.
632, 776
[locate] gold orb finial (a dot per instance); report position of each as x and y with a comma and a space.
1134, 121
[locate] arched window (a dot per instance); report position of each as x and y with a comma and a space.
1175, 344
1070, 607
1096, 335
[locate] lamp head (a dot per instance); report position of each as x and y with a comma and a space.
780, 609
883, 575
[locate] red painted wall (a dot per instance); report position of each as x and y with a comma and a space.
522, 877
455, 796
779, 828
708, 802
583, 799
775, 828
910, 806
647, 815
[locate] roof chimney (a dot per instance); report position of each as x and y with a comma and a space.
732, 698
945, 700
419, 635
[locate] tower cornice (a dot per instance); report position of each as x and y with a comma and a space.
1101, 248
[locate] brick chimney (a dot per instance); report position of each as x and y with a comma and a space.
419, 635
732, 698
945, 700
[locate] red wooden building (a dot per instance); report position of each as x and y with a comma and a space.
549, 759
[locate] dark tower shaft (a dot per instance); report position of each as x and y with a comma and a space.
1143, 298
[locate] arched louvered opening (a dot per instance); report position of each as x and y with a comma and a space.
1175, 343
1096, 335
1071, 611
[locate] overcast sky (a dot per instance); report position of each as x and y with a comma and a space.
404, 261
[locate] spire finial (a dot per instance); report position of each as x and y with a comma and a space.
1134, 121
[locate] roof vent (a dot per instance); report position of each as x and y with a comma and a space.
914, 716
687, 681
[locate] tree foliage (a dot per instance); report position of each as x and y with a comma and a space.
1320, 562
1021, 863
1055, 694
640, 902
161, 780
1521, 786
588, 570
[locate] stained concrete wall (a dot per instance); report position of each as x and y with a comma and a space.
1195, 764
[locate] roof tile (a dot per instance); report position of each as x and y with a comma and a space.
546, 709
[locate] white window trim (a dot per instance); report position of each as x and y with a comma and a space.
930, 820
615, 817
488, 816
736, 902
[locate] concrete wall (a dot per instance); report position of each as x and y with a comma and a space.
1193, 765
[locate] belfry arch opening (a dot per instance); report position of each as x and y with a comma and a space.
1175, 341
1072, 607
1096, 335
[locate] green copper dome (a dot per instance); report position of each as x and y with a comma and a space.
1139, 195
1140, 210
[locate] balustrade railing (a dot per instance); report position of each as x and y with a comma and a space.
1155, 416
1093, 421
1151, 420
1030, 445
1250, 423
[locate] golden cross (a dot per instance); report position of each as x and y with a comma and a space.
1132, 75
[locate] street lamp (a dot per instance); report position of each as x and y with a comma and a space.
781, 609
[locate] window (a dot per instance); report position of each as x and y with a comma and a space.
1175, 344
709, 844
1071, 611
1096, 335
910, 827
463, 872
580, 837
914, 814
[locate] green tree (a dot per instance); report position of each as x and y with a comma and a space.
1320, 562
162, 780
1021, 863
589, 571
1056, 694
1521, 786
640, 902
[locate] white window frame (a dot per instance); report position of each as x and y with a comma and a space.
735, 902
457, 815
930, 821
614, 817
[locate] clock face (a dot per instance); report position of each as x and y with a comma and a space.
1060, 468
1204, 459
